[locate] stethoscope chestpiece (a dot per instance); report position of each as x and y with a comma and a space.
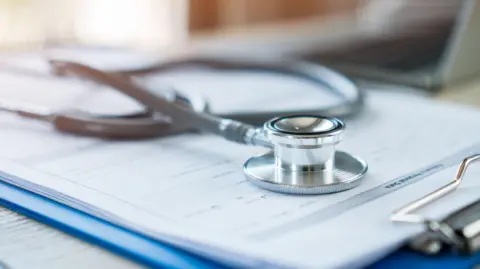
304, 159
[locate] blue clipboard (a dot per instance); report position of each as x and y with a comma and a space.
405, 258
117, 239
156, 254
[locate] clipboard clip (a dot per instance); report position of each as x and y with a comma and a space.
460, 231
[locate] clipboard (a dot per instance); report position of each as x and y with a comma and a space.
120, 240
157, 254
452, 242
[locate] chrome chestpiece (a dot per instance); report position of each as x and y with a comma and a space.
304, 159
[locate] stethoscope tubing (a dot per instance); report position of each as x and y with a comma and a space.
182, 113
338, 84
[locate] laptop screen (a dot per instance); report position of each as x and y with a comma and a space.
415, 48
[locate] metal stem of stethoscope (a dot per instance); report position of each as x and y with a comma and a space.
302, 160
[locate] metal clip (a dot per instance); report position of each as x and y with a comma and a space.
460, 230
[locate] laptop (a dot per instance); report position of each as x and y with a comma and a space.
435, 59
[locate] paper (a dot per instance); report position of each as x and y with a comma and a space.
191, 185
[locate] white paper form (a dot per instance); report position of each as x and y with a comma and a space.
192, 185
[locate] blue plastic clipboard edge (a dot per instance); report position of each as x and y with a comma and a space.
151, 252
405, 258
117, 239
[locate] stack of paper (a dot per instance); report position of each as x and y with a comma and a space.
190, 190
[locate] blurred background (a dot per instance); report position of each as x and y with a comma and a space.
149, 24
404, 39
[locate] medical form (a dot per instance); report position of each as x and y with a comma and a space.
190, 187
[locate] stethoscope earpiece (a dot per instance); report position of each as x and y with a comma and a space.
303, 159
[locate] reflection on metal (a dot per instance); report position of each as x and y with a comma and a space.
460, 230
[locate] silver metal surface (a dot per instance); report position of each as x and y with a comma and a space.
347, 173
466, 223
256, 137
405, 214
304, 131
460, 230
303, 124
303, 159
305, 143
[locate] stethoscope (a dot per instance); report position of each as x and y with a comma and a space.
302, 158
